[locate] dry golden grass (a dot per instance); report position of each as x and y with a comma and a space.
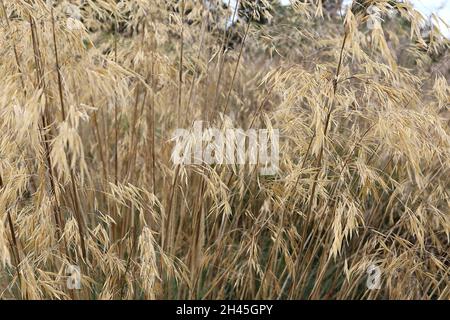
86, 178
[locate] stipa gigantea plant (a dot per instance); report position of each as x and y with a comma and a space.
87, 179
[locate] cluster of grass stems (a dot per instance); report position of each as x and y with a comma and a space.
87, 110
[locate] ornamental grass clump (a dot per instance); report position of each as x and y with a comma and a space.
92, 205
